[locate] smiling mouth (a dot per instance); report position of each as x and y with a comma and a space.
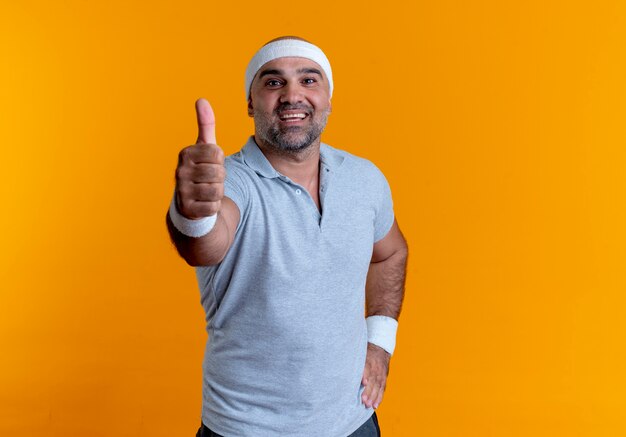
293, 117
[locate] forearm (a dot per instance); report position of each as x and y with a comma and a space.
384, 292
207, 250
384, 289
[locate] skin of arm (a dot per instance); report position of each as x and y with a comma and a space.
211, 248
384, 292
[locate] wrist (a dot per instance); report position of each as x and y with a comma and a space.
381, 331
191, 228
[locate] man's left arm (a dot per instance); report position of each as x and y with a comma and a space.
384, 292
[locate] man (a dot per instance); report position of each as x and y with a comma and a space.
289, 237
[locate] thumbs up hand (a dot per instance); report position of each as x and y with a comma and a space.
200, 172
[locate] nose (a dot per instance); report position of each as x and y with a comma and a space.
291, 93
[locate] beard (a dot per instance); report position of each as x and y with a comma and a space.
289, 139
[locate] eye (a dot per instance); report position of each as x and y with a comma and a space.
273, 83
309, 81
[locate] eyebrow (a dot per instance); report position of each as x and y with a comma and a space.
309, 71
267, 72
299, 71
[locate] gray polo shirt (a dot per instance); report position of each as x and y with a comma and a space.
285, 308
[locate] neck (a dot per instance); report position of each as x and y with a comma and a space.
300, 166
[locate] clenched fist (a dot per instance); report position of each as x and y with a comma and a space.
200, 173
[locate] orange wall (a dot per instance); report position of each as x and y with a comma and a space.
500, 128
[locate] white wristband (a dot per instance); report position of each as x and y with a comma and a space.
191, 228
381, 331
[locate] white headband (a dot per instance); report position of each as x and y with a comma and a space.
287, 48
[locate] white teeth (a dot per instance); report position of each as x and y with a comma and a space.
285, 116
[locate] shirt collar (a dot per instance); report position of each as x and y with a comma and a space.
330, 157
256, 160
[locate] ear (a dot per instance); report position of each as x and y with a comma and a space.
250, 108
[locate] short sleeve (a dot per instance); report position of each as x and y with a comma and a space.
235, 187
384, 208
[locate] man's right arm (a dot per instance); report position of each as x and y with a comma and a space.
199, 193
211, 248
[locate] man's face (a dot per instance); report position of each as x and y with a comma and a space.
290, 102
